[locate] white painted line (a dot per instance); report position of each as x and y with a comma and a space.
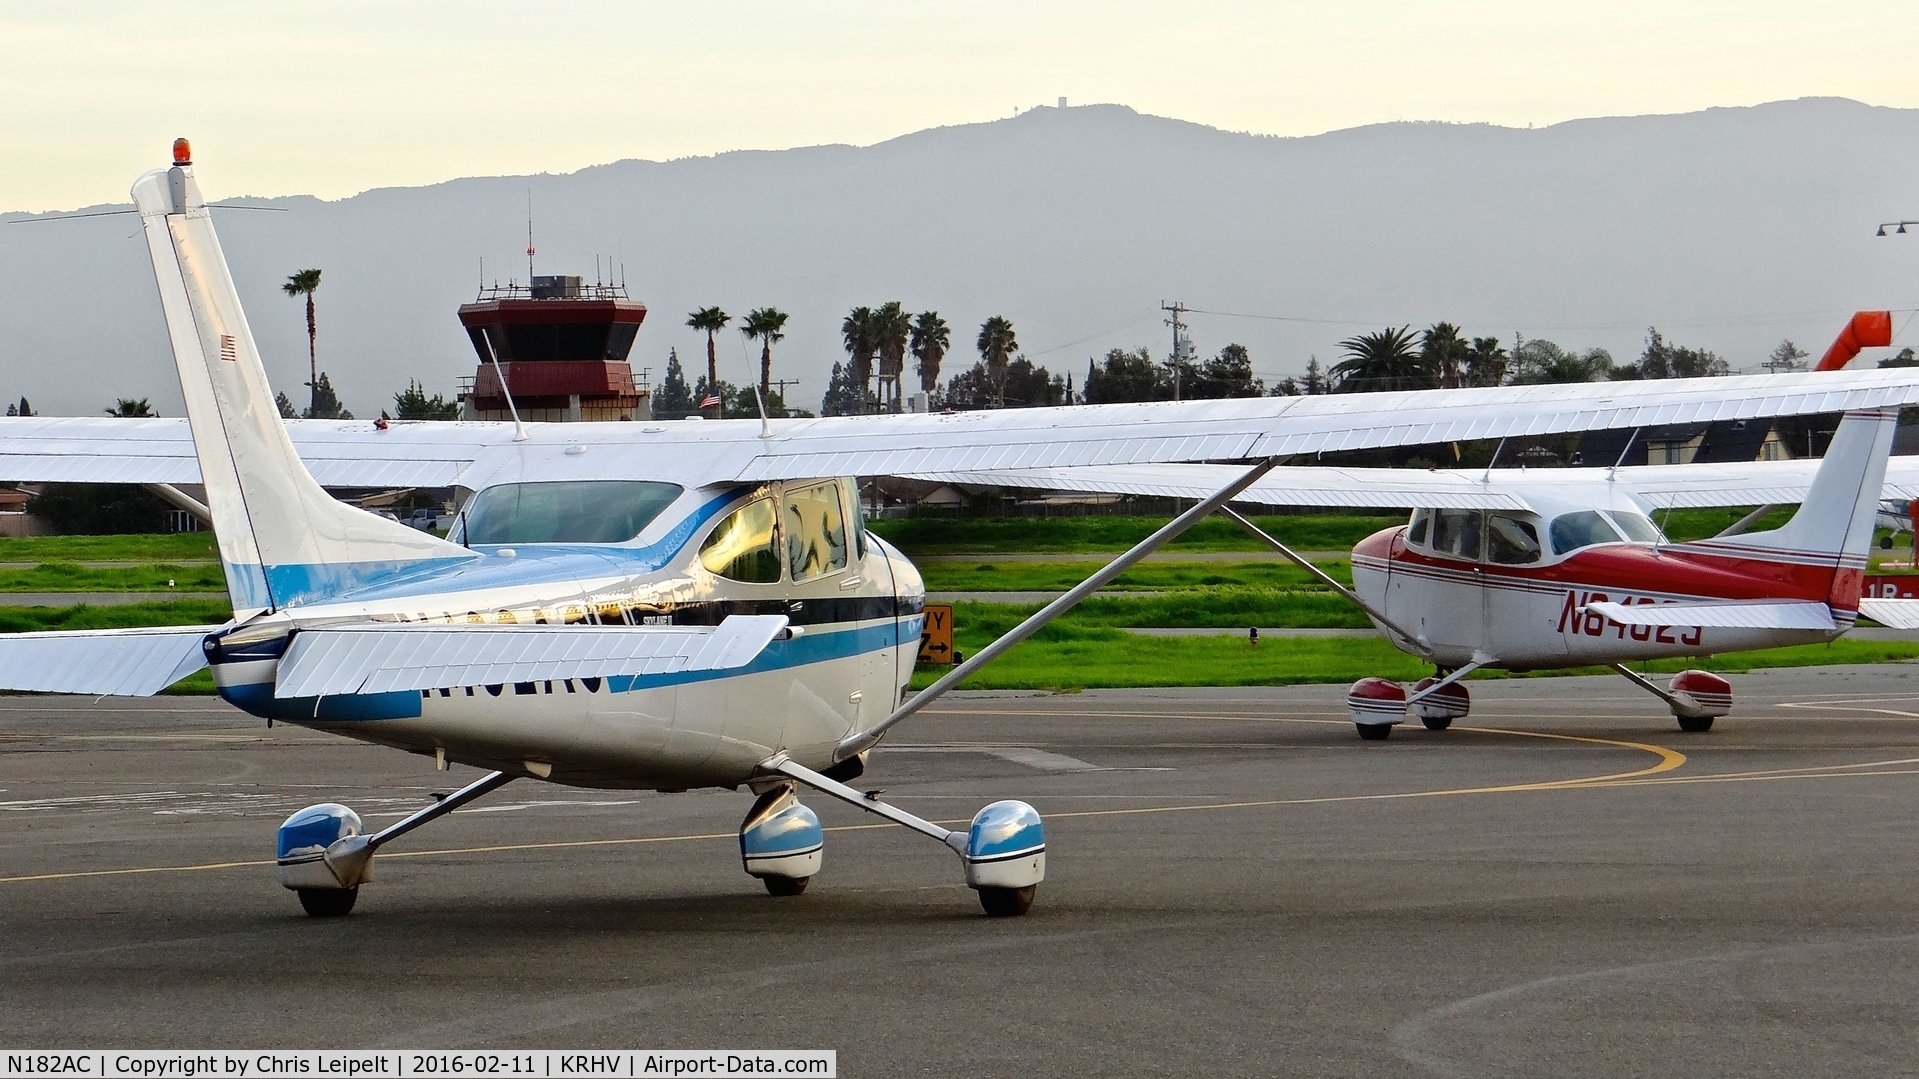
1026, 755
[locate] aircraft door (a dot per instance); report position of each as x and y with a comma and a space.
1512, 600
1451, 594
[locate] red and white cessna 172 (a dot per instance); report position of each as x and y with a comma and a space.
675, 605
1529, 569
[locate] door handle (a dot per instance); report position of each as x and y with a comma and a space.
850, 582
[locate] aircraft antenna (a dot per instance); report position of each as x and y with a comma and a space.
766, 425
519, 429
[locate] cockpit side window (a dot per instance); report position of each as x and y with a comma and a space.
743, 546
850, 492
1457, 533
1511, 541
1571, 531
1637, 526
1416, 532
815, 531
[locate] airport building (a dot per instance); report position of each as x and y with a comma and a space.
557, 349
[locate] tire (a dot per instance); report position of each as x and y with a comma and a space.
327, 902
1007, 902
1436, 723
785, 885
1374, 732
1698, 725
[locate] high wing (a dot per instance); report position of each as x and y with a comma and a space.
1745, 483
339, 453
474, 455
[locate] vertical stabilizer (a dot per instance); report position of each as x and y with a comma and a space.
1834, 525
284, 541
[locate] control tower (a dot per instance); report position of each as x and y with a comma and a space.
561, 347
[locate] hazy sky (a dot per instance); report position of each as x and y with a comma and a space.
336, 97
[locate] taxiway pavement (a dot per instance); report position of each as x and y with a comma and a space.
1236, 886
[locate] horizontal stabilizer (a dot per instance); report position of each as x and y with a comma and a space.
1897, 613
1728, 614
102, 662
390, 658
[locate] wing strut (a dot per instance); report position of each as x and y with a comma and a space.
1681, 704
1326, 579
865, 740
349, 857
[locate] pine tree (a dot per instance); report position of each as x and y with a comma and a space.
326, 403
1315, 378
288, 410
675, 397
414, 404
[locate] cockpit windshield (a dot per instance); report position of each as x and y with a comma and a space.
1571, 531
573, 511
1637, 526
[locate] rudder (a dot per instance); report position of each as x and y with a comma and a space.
283, 540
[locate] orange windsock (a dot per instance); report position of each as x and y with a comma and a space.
1867, 328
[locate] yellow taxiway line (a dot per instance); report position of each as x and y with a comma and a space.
1668, 760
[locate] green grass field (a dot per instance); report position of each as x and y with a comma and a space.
160, 613
928, 535
1102, 658
72, 577
1146, 576
1306, 532
179, 547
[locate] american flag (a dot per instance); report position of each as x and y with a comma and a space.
712, 401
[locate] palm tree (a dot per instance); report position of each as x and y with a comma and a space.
856, 333
766, 323
712, 320
1444, 351
891, 326
305, 283
997, 344
1381, 361
931, 339
128, 408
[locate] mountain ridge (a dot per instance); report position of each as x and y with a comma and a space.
1728, 227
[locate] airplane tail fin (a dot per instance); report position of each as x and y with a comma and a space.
1834, 525
283, 540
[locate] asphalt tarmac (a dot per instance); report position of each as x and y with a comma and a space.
1562, 885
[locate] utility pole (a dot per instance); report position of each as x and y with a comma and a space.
1181, 343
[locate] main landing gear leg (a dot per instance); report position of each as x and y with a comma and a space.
324, 858
1695, 697
1004, 851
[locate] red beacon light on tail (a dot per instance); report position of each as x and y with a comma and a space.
182, 152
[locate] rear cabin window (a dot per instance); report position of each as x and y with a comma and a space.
815, 531
576, 511
1571, 531
744, 545
1456, 532
1511, 541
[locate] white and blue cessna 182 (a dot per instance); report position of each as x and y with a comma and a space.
650, 606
